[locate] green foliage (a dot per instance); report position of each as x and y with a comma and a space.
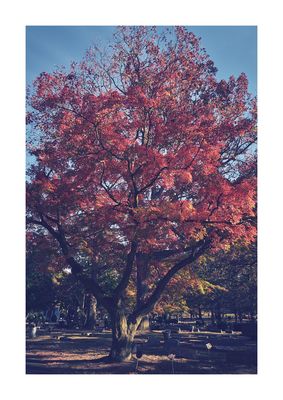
227, 281
40, 290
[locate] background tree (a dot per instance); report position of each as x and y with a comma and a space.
227, 283
40, 286
40, 290
50, 283
140, 153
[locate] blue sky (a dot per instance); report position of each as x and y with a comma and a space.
232, 48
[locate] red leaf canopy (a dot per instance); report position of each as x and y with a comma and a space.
143, 142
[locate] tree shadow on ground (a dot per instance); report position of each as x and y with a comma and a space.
89, 355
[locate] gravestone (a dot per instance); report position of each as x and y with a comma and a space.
33, 330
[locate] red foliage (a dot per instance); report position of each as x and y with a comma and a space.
147, 143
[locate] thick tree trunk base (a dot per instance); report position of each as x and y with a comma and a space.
121, 350
123, 333
144, 326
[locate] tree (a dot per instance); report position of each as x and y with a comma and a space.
141, 154
237, 271
226, 282
40, 287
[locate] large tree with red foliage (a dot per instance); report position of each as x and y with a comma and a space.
144, 162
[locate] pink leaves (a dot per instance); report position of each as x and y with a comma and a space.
186, 210
184, 176
168, 180
146, 142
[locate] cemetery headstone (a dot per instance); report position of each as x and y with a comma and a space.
33, 330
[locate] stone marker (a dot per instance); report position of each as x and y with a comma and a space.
33, 330
208, 346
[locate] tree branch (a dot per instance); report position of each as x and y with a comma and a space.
153, 180
77, 270
196, 252
128, 270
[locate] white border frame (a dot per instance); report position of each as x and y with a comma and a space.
241, 12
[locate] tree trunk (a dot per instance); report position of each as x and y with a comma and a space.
122, 337
144, 325
90, 310
143, 271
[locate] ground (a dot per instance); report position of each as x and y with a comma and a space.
70, 352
